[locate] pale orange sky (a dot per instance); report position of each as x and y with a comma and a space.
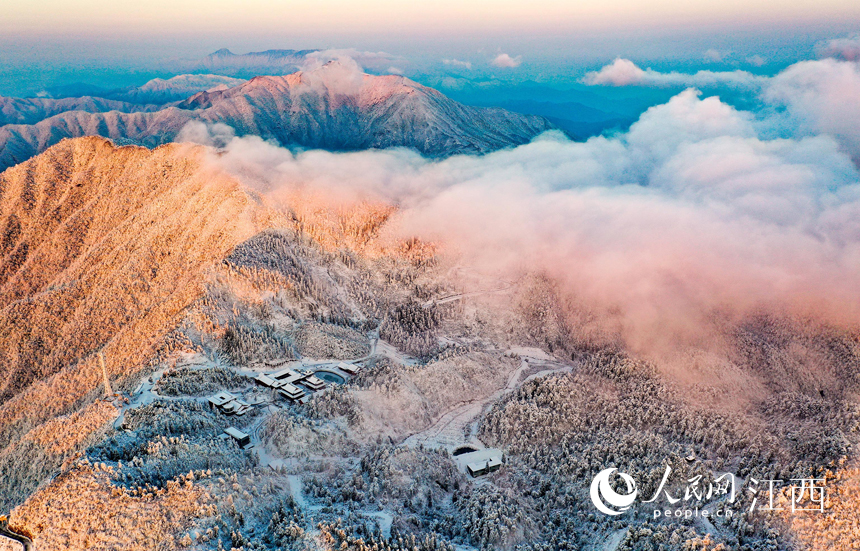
437, 16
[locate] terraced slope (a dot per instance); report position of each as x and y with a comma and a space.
101, 248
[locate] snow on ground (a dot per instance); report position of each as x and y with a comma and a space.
458, 425
531, 353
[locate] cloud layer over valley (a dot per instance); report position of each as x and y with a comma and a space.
623, 72
696, 217
807, 98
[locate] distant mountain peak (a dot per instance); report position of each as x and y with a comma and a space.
188, 84
265, 54
225, 62
334, 106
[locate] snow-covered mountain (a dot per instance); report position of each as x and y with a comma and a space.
152, 96
225, 61
333, 107
173, 89
136, 285
33, 110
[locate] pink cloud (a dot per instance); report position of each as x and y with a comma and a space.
506, 61
847, 49
623, 72
689, 220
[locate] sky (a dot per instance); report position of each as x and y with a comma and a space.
124, 43
441, 17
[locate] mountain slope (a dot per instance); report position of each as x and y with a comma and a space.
21, 142
108, 243
162, 91
32, 110
225, 61
100, 249
333, 107
152, 96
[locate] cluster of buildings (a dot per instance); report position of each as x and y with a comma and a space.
228, 404
287, 381
295, 385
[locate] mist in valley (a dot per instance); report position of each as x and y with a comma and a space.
680, 293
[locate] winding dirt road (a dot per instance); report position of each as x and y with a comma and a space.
459, 424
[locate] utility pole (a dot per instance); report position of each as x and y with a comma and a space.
108, 392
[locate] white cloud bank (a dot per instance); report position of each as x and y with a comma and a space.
814, 97
847, 49
756, 60
820, 97
380, 62
623, 72
714, 56
458, 63
689, 218
506, 61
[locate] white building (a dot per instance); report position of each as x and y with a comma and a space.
287, 375
240, 437
480, 462
314, 383
292, 392
220, 399
265, 380
229, 404
347, 368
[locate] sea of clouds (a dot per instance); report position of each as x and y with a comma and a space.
699, 212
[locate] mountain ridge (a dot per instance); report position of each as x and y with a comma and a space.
34, 110
333, 107
177, 88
